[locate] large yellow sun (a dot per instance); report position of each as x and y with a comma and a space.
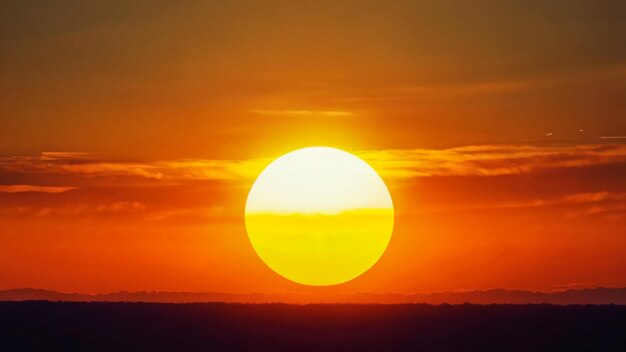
319, 216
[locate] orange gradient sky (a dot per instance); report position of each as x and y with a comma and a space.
130, 135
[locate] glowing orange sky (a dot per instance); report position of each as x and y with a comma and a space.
131, 133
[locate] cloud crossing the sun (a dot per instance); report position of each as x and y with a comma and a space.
487, 160
454, 179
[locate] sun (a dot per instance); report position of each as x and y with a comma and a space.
319, 216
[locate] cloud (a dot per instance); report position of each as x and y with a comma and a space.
393, 164
174, 170
303, 113
65, 155
605, 204
111, 208
490, 160
31, 188
594, 197
580, 180
577, 204
570, 199
479, 87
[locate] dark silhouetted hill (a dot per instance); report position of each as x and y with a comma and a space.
572, 296
106, 326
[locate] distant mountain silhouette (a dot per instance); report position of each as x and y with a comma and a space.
599, 295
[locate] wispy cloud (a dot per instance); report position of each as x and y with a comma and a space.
490, 160
577, 204
482, 87
31, 188
184, 169
65, 155
117, 207
593, 197
186, 188
570, 199
302, 113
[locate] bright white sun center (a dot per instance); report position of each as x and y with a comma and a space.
319, 216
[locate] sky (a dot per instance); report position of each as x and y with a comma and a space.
131, 132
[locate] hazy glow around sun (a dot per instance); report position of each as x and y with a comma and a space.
319, 216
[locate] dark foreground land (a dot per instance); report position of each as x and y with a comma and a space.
79, 326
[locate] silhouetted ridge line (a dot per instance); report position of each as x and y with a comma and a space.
599, 295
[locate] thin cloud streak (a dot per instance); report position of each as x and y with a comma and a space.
31, 188
593, 202
303, 113
490, 160
486, 160
185, 169
66, 155
483, 88
118, 207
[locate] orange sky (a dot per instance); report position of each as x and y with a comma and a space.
131, 133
